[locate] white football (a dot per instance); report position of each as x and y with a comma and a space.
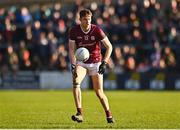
82, 54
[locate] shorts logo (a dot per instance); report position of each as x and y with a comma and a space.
92, 38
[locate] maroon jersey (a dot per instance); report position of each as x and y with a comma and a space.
90, 40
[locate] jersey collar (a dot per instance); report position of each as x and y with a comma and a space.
86, 31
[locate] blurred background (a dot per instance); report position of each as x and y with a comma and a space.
145, 35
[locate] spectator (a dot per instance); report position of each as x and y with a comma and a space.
130, 64
119, 60
158, 62
13, 60
24, 57
129, 24
43, 49
169, 58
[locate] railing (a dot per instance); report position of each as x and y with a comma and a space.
62, 80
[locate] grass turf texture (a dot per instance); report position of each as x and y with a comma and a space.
53, 109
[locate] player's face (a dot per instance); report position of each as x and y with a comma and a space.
86, 21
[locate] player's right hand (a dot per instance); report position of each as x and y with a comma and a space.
73, 70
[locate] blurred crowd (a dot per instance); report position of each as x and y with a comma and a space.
145, 34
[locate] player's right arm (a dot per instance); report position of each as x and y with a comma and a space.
72, 58
72, 47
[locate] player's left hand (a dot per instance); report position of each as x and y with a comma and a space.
102, 67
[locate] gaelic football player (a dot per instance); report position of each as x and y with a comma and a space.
91, 37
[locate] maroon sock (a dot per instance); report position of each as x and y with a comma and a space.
108, 113
79, 111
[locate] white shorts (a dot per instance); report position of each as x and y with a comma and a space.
92, 68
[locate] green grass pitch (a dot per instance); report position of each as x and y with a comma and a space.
53, 109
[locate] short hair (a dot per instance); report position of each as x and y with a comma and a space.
85, 12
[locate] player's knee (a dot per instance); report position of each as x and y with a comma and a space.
76, 85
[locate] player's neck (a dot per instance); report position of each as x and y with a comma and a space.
85, 29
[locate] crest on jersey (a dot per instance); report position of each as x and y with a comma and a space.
92, 38
86, 37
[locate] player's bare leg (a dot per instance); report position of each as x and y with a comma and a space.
98, 87
81, 72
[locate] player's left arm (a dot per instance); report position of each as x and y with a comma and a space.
107, 55
108, 47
